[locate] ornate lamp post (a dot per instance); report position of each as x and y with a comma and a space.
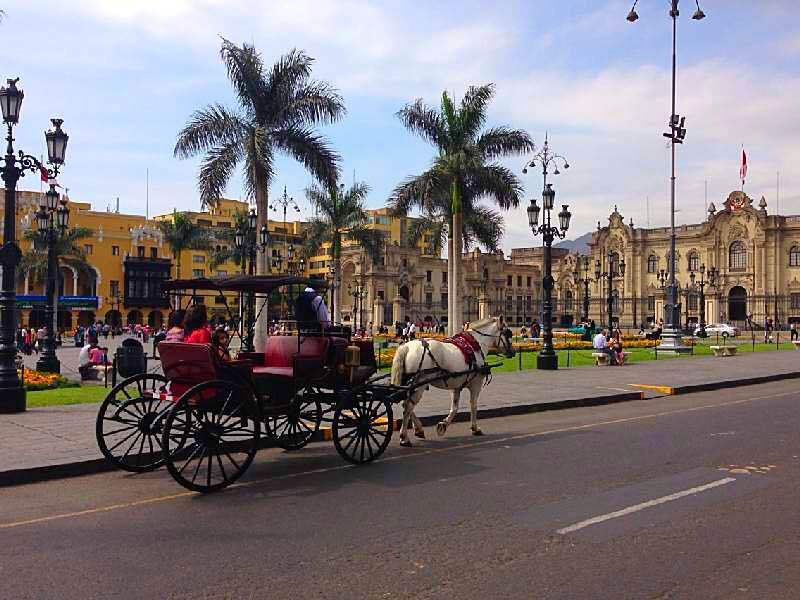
332, 275
583, 261
712, 281
615, 270
284, 201
12, 394
547, 358
52, 221
357, 293
249, 247
671, 337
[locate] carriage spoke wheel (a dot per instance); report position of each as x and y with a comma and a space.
129, 423
362, 427
296, 427
211, 435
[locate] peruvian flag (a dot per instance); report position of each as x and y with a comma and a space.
45, 176
743, 168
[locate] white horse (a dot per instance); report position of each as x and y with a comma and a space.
424, 362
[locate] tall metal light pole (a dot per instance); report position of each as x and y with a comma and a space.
583, 262
284, 201
712, 281
52, 222
12, 393
671, 336
547, 358
249, 247
615, 268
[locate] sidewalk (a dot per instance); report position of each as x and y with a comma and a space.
60, 441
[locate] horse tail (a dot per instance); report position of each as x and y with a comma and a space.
398, 364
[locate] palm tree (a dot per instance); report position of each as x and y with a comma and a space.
181, 234
463, 172
482, 226
340, 215
278, 110
69, 253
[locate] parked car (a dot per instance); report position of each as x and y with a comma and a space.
721, 329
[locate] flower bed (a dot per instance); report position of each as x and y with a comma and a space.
34, 380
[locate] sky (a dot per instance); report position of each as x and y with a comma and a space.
126, 75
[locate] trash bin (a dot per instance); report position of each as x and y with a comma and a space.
130, 358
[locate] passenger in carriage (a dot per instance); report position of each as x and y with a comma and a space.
175, 332
312, 313
195, 325
220, 340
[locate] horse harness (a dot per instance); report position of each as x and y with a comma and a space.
467, 344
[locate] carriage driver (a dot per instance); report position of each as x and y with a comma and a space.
312, 314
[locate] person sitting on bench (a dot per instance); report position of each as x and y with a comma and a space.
600, 344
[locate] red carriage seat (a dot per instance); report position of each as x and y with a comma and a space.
290, 356
186, 365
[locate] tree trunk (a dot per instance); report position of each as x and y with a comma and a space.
337, 279
262, 268
450, 261
455, 284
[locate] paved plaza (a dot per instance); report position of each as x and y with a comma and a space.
55, 436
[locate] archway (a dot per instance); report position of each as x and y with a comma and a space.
155, 319
113, 318
36, 318
135, 317
85, 318
64, 319
737, 304
404, 293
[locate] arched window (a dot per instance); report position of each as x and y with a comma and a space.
737, 256
794, 257
694, 261
613, 262
677, 262
568, 297
652, 263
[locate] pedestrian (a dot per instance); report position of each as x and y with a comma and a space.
175, 332
793, 330
767, 331
41, 334
600, 344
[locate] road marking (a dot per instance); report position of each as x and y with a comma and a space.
412, 454
649, 504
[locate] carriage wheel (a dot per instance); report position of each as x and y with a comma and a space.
129, 423
295, 428
362, 427
211, 435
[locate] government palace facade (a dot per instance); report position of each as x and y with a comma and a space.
756, 256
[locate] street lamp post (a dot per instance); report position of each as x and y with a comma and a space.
712, 281
249, 247
547, 358
12, 393
583, 261
52, 222
284, 202
671, 336
615, 270
332, 274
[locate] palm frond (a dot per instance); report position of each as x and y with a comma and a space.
472, 114
496, 182
483, 227
503, 141
216, 170
310, 149
318, 233
314, 103
212, 126
424, 121
245, 72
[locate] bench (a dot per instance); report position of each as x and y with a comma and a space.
288, 356
600, 358
796, 344
724, 350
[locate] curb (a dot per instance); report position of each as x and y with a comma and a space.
716, 385
100, 465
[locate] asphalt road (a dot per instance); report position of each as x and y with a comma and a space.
679, 497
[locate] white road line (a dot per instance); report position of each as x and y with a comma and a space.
643, 505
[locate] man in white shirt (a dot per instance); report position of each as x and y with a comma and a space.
312, 311
600, 344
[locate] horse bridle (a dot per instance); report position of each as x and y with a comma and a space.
506, 342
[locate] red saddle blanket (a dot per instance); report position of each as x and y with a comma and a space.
467, 344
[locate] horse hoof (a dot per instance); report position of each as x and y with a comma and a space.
477, 432
405, 444
441, 428
419, 434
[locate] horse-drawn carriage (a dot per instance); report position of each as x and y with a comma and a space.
204, 418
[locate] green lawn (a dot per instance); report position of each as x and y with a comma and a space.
81, 395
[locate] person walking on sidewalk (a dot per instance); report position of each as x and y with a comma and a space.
793, 330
